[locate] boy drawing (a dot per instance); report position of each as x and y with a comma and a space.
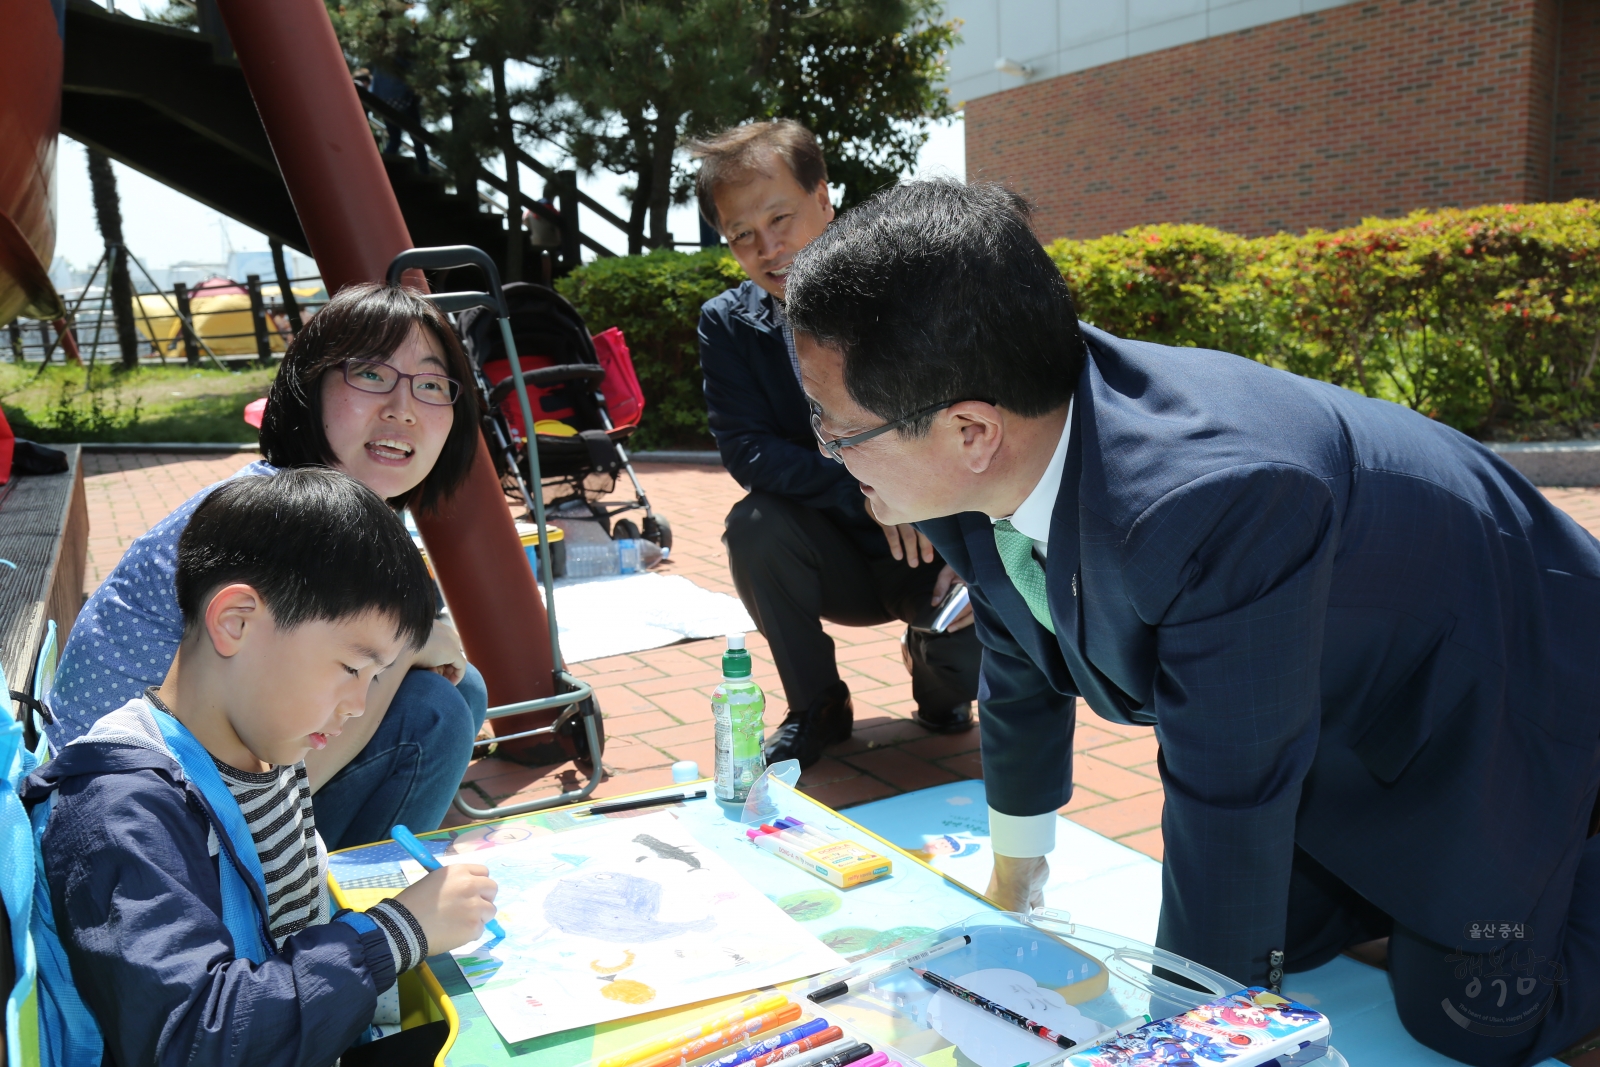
185, 878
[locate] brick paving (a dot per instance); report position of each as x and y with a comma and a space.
657, 704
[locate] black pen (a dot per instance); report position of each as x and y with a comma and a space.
642, 802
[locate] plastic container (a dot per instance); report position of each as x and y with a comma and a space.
1090, 982
555, 536
737, 707
627, 556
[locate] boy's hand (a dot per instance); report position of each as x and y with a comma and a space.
452, 904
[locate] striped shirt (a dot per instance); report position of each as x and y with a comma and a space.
277, 807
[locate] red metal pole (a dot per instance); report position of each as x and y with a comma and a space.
330, 162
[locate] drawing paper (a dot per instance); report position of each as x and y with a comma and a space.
631, 916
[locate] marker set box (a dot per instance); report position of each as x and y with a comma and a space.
840, 863
1041, 992
1250, 1028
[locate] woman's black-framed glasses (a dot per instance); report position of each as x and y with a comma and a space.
373, 376
835, 446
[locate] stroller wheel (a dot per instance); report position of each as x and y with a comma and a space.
625, 529
574, 740
658, 530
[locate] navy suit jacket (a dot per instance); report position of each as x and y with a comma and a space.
760, 418
1352, 628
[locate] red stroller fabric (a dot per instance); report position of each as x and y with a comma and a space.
624, 398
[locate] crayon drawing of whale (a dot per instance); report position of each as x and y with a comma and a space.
611, 906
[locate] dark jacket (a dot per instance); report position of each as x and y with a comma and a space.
760, 418
1353, 629
138, 906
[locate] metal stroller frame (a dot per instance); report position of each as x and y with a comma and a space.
653, 528
578, 698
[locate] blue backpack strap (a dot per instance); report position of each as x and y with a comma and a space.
243, 903
16, 891
69, 1036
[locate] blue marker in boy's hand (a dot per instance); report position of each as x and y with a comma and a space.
419, 852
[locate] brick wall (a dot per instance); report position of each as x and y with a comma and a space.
1370, 109
1577, 123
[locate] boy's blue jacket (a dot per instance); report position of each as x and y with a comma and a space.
137, 902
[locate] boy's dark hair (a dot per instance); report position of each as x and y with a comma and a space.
731, 155
315, 543
939, 291
367, 321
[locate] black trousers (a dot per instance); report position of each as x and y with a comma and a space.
1502, 1002
794, 567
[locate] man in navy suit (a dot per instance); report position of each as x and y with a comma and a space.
801, 546
1369, 649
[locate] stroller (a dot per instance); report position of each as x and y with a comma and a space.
586, 402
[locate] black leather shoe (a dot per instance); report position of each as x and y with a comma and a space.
804, 734
951, 721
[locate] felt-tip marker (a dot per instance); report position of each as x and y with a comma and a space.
777, 1041
859, 1051
419, 852
861, 981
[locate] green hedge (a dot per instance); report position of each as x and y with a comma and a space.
1485, 318
656, 299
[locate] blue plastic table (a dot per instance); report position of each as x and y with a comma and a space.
912, 902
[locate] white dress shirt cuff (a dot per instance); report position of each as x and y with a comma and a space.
1022, 836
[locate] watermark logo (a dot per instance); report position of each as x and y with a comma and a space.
1503, 992
1501, 931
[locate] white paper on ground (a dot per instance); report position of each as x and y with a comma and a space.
620, 613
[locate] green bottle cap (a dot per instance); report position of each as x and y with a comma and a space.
736, 660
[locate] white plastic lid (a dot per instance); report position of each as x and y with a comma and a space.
736, 640
685, 770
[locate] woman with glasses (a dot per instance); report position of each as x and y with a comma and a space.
373, 385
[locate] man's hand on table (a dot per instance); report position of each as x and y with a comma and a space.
1018, 884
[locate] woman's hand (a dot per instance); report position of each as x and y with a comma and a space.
443, 653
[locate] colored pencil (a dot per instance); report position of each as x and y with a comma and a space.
997, 1010
695, 1030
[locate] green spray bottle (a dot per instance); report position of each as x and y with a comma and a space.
737, 707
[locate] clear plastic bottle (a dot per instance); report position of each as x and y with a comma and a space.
626, 556
737, 707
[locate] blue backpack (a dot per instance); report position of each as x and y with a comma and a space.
68, 1035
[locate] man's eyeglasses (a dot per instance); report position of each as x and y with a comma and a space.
371, 376
835, 446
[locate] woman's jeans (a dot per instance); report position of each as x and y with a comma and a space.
409, 772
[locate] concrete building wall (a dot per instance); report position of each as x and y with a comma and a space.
1054, 37
1318, 120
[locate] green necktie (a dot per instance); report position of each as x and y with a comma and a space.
1016, 552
